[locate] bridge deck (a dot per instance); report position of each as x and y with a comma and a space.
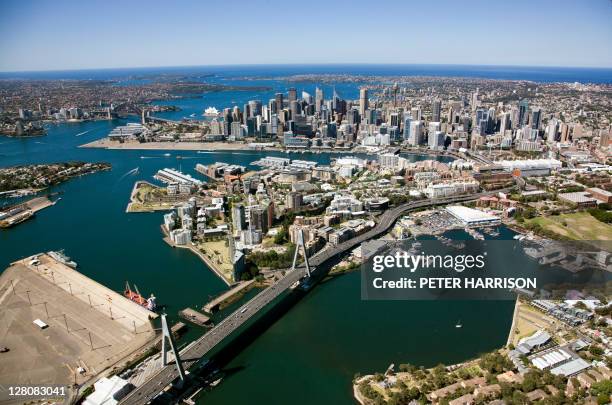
202, 346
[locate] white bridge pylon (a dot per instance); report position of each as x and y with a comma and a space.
167, 334
300, 243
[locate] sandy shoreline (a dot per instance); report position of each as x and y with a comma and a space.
203, 146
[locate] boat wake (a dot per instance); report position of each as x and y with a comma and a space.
130, 173
84, 132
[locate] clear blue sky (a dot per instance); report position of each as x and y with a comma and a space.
70, 34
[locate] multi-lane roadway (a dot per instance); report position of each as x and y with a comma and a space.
202, 346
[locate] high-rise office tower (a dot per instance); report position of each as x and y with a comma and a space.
307, 97
279, 100
394, 119
395, 89
295, 108
504, 122
363, 101
227, 115
436, 139
352, 116
551, 131
254, 108
436, 106
258, 218
523, 109
236, 114
536, 118
246, 113
407, 126
433, 127
416, 131
416, 113
565, 133
292, 94
318, 99
272, 106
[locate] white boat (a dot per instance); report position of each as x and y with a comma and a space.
167, 154
211, 112
458, 325
62, 258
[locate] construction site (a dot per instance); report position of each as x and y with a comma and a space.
59, 327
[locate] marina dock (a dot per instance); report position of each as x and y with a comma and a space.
213, 305
194, 316
19, 213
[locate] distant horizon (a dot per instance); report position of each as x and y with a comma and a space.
75, 35
118, 68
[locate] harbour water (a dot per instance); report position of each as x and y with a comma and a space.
311, 353
322, 341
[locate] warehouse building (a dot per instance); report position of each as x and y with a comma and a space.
471, 217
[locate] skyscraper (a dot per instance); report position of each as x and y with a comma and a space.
407, 126
279, 100
436, 106
254, 108
294, 107
292, 94
436, 139
504, 122
318, 99
307, 97
363, 101
272, 106
536, 118
246, 113
523, 108
238, 218
416, 130
258, 218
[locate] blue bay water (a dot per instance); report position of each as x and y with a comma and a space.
319, 343
532, 73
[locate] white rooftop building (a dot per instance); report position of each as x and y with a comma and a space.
170, 176
471, 217
108, 391
531, 167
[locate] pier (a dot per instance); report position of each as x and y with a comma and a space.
201, 347
91, 328
16, 214
194, 316
213, 305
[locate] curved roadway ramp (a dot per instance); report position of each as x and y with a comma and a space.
202, 346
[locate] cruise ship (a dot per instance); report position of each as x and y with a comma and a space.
211, 112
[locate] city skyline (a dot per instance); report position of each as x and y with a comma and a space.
193, 34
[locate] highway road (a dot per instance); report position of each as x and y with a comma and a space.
202, 346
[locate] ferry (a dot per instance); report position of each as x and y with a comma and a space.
149, 303
62, 258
